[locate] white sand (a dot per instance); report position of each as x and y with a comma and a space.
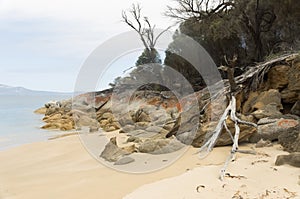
63, 169
254, 177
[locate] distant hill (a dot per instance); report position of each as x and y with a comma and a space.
10, 90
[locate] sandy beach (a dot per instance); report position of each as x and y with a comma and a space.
62, 168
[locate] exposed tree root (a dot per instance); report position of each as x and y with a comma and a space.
250, 80
208, 146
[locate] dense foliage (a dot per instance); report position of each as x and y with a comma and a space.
252, 29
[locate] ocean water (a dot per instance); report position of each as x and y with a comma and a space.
18, 122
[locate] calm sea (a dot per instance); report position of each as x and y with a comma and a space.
18, 124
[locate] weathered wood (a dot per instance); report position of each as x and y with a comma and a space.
250, 80
208, 146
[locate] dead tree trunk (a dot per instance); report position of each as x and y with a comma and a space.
249, 80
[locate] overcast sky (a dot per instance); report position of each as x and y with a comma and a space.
45, 42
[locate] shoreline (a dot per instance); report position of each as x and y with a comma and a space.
62, 168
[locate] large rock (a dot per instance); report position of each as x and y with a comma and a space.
290, 140
294, 77
203, 132
246, 131
112, 152
271, 96
270, 110
292, 159
292, 93
278, 77
125, 119
247, 105
271, 129
289, 96
266, 102
160, 146
85, 120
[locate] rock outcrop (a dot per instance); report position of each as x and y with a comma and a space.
157, 122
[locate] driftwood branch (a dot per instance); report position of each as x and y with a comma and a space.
208, 146
249, 80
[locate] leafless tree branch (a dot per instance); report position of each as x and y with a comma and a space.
199, 9
146, 31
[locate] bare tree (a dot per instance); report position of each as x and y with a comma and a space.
143, 27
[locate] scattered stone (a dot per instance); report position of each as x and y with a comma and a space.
160, 146
124, 160
112, 152
263, 143
292, 159
93, 129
